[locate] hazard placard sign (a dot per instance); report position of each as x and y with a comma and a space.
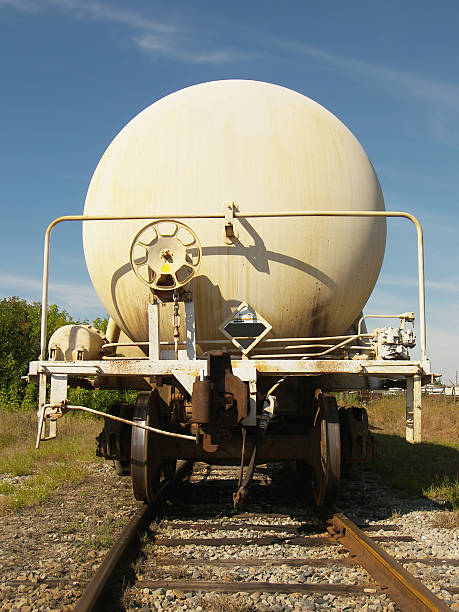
245, 328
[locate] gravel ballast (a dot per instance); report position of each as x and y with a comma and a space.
53, 549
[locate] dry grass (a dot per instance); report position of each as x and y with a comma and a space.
222, 602
446, 520
430, 468
173, 572
29, 476
440, 417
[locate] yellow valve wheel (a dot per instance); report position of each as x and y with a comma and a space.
165, 254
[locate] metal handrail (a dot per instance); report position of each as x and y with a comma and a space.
384, 316
252, 215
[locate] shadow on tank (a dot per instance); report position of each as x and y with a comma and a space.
259, 256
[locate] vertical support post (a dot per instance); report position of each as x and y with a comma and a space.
41, 411
153, 331
417, 408
409, 427
413, 409
58, 394
190, 330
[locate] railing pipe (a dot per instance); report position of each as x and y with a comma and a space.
252, 215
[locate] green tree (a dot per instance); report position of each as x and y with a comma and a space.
20, 323
20, 343
101, 324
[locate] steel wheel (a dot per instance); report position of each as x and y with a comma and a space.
148, 466
326, 455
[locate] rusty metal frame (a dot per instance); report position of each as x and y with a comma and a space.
187, 370
268, 367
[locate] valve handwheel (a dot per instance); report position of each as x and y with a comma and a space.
165, 254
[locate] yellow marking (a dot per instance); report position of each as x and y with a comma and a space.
165, 268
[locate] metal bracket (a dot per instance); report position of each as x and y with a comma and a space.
230, 233
154, 341
41, 407
47, 418
58, 394
190, 331
186, 380
248, 373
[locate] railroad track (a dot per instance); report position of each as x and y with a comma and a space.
200, 545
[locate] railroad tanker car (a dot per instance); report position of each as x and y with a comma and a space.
234, 231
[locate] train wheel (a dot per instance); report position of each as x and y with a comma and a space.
148, 466
326, 455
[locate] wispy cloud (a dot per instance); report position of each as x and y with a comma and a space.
430, 90
155, 38
413, 180
440, 98
64, 294
28, 6
172, 39
181, 47
110, 13
449, 285
441, 285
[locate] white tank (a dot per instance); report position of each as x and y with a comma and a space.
265, 148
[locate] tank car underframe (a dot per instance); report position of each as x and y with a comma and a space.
230, 410
60, 374
186, 369
320, 451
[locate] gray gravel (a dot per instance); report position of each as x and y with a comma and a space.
64, 540
365, 499
67, 538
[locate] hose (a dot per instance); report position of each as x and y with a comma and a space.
64, 406
274, 387
269, 406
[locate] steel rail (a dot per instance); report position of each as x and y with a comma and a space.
91, 594
392, 578
406, 590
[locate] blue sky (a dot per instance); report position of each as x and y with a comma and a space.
73, 73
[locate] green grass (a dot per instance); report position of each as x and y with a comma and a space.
56, 463
43, 485
105, 534
430, 468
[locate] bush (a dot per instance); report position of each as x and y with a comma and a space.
99, 399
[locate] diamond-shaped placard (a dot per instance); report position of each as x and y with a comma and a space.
245, 328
